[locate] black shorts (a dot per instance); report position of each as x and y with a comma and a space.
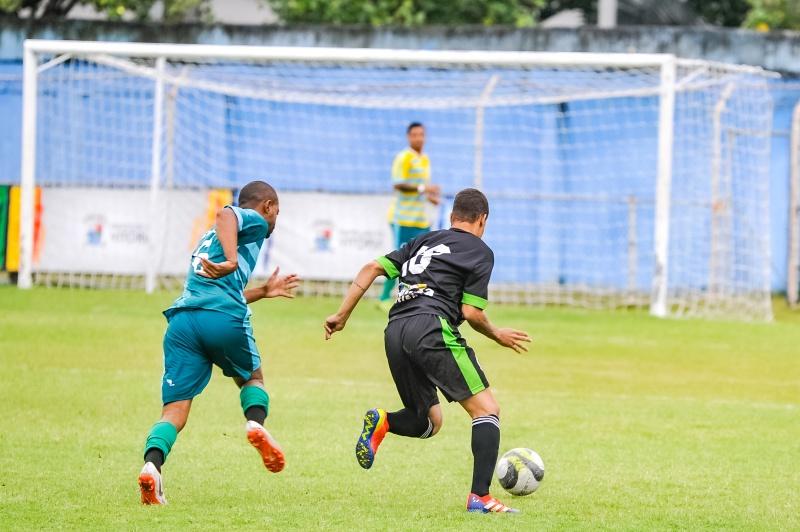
425, 352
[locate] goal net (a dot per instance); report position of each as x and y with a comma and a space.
614, 180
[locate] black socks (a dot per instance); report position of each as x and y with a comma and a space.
156, 456
485, 443
256, 413
406, 422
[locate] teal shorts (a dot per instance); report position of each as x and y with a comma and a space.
404, 234
197, 339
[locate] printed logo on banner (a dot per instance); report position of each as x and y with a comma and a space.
346, 237
112, 227
100, 232
358, 238
323, 234
95, 229
134, 234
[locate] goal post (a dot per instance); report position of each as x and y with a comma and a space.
27, 172
615, 180
793, 252
666, 119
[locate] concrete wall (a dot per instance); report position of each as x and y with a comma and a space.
778, 51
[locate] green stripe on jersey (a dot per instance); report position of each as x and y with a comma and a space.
475, 301
389, 267
468, 370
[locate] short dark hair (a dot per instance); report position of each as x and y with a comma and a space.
256, 191
469, 205
412, 125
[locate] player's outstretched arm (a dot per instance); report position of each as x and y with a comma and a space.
506, 337
358, 288
276, 286
228, 235
432, 192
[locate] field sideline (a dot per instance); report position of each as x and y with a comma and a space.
643, 424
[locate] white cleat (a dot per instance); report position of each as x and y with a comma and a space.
150, 485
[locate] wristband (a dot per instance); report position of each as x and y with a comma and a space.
421, 189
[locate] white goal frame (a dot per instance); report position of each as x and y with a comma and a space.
64, 50
793, 251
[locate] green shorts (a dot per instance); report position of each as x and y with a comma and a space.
195, 340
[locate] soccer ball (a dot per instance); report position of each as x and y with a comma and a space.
520, 471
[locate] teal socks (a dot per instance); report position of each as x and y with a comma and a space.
162, 437
386, 294
254, 396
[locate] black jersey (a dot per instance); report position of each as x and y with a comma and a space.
438, 272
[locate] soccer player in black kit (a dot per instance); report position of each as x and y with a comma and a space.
444, 279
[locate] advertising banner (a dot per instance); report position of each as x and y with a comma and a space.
320, 236
96, 230
4, 193
327, 236
12, 232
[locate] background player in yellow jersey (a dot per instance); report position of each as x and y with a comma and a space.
411, 176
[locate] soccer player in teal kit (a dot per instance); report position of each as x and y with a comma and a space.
209, 324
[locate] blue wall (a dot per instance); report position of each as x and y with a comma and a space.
10, 120
561, 146
778, 51
786, 94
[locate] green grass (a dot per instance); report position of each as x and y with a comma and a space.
643, 424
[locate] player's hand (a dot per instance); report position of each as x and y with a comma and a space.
513, 339
434, 194
281, 286
333, 323
215, 270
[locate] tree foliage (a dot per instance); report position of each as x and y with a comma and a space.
174, 10
768, 15
714, 12
520, 13
759, 14
720, 12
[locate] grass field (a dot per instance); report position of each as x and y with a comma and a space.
643, 424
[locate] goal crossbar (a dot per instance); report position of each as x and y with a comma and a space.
344, 55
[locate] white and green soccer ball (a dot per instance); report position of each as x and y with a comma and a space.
520, 471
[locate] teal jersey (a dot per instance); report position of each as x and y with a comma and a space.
225, 294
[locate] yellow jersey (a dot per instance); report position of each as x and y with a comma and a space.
408, 208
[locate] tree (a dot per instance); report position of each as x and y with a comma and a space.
714, 12
174, 10
520, 13
768, 15
721, 12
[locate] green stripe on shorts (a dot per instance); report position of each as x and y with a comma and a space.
468, 370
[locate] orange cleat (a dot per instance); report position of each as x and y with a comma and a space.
372, 434
271, 452
151, 486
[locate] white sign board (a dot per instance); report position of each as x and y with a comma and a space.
319, 236
327, 236
98, 230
